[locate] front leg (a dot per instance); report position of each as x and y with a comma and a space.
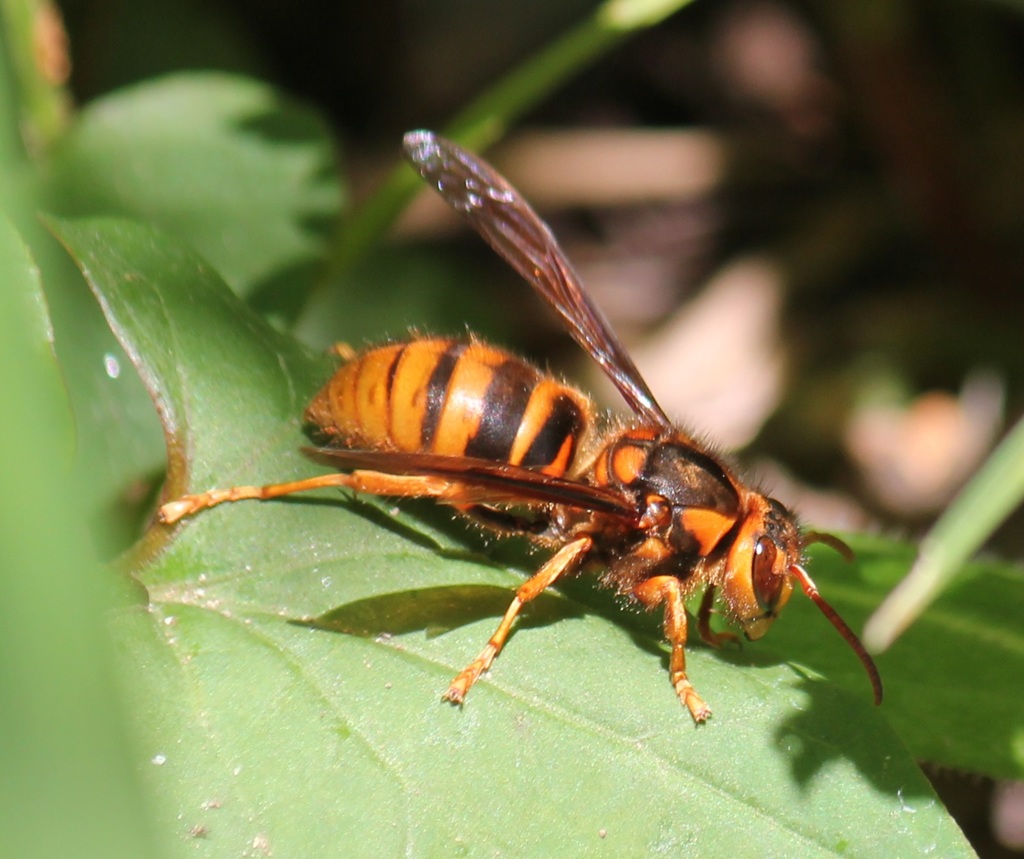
666, 589
707, 634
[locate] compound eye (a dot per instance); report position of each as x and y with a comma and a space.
767, 583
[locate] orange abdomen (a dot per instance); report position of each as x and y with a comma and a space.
454, 398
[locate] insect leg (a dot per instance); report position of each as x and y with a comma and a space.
707, 634
372, 482
562, 562
505, 522
666, 589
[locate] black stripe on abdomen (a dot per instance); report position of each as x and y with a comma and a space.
437, 392
505, 402
564, 420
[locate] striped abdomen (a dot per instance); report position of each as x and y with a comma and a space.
454, 398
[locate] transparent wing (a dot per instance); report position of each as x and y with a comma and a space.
499, 213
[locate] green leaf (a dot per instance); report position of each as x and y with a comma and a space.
228, 164
66, 785
952, 689
22, 284
287, 672
119, 447
429, 291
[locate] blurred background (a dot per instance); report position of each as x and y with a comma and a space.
803, 218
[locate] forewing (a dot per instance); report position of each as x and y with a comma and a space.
500, 214
498, 483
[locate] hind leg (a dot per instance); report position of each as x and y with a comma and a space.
563, 561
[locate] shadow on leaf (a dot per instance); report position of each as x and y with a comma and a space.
818, 731
436, 611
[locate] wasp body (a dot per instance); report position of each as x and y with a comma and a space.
483, 430
453, 398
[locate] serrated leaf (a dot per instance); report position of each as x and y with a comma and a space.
267, 729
